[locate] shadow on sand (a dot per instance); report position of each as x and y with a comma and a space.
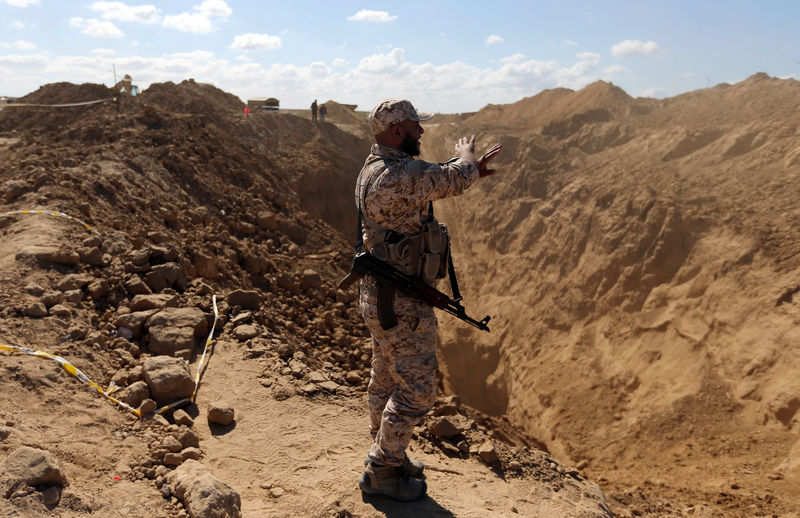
422, 508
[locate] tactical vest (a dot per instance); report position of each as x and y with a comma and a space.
424, 255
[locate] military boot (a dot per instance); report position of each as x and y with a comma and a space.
391, 481
414, 468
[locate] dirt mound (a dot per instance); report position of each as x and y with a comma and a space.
185, 197
63, 93
191, 97
337, 112
641, 290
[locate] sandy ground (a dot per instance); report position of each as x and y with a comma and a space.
639, 259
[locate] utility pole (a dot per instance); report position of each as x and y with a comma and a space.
114, 69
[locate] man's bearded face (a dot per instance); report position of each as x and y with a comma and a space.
410, 145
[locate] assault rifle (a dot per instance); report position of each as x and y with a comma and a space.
364, 264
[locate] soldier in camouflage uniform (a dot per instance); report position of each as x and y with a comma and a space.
393, 193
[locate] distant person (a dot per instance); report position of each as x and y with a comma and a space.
246, 111
314, 111
322, 111
394, 196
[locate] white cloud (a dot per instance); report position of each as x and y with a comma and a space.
195, 23
103, 52
339, 62
127, 13
635, 47
21, 3
588, 56
494, 38
242, 57
615, 70
366, 15
513, 58
251, 41
448, 88
17, 45
95, 27
569, 43
16, 24
199, 22
217, 8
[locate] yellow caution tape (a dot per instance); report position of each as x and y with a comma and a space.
70, 368
14, 105
67, 366
55, 214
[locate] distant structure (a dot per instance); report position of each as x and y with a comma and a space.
126, 86
266, 103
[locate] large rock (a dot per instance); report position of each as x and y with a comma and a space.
158, 301
247, 299
193, 318
135, 321
172, 341
74, 281
134, 393
174, 331
30, 466
168, 378
203, 494
36, 254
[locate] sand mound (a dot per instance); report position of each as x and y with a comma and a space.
639, 258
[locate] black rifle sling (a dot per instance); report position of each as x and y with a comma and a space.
451, 271
386, 315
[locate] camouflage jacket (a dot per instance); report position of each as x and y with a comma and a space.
398, 189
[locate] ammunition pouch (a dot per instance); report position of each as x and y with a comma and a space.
424, 255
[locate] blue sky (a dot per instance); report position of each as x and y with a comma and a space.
445, 56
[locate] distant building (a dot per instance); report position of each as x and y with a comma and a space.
269, 103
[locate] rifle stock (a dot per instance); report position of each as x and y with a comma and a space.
364, 263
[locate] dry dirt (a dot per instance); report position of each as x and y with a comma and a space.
180, 177
639, 259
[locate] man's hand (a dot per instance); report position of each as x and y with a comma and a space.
465, 148
484, 160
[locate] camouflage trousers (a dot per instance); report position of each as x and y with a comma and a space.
402, 382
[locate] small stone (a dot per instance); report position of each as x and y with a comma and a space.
188, 438
36, 310
73, 296
191, 453
245, 332
329, 386
247, 299
148, 406
173, 459
315, 377
310, 280
59, 310
181, 417
487, 453
51, 496
220, 413
443, 428
172, 444
34, 289
353, 377
242, 318
277, 492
